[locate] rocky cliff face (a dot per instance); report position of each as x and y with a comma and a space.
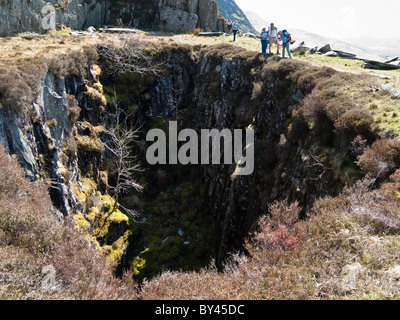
217, 90
188, 213
185, 15
220, 88
170, 15
54, 141
21, 15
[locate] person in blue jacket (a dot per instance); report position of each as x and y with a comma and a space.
264, 40
235, 29
286, 38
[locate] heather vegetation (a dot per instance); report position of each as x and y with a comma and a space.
347, 248
32, 237
20, 81
342, 246
287, 258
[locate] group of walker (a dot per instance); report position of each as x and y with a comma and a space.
273, 36
268, 38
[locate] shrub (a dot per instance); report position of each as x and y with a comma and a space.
358, 146
73, 108
15, 94
277, 230
381, 159
315, 111
51, 123
306, 83
197, 31
74, 63
277, 68
314, 108
356, 121
258, 91
31, 232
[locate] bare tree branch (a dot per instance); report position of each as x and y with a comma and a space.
120, 141
131, 55
318, 163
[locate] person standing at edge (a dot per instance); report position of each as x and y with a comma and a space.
273, 35
286, 38
229, 26
264, 40
235, 29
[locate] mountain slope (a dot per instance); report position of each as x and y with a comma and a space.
231, 10
257, 22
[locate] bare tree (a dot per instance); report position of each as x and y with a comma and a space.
121, 139
319, 164
130, 55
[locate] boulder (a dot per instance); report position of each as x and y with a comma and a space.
182, 16
177, 20
346, 55
119, 30
28, 36
331, 54
250, 35
393, 60
210, 34
221, 25
326, 48
208, 14
192, 5
392, 91
371, 64
300, 48
298, 95
185, 5
26, 16
91, 29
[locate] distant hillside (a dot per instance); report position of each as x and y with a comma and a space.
358, 48
257, 22
388, 48
231, 10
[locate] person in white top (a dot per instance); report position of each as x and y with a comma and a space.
273, 37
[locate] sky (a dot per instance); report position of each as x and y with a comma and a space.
341, 19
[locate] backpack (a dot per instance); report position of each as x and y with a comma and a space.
272, 29
287, 35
